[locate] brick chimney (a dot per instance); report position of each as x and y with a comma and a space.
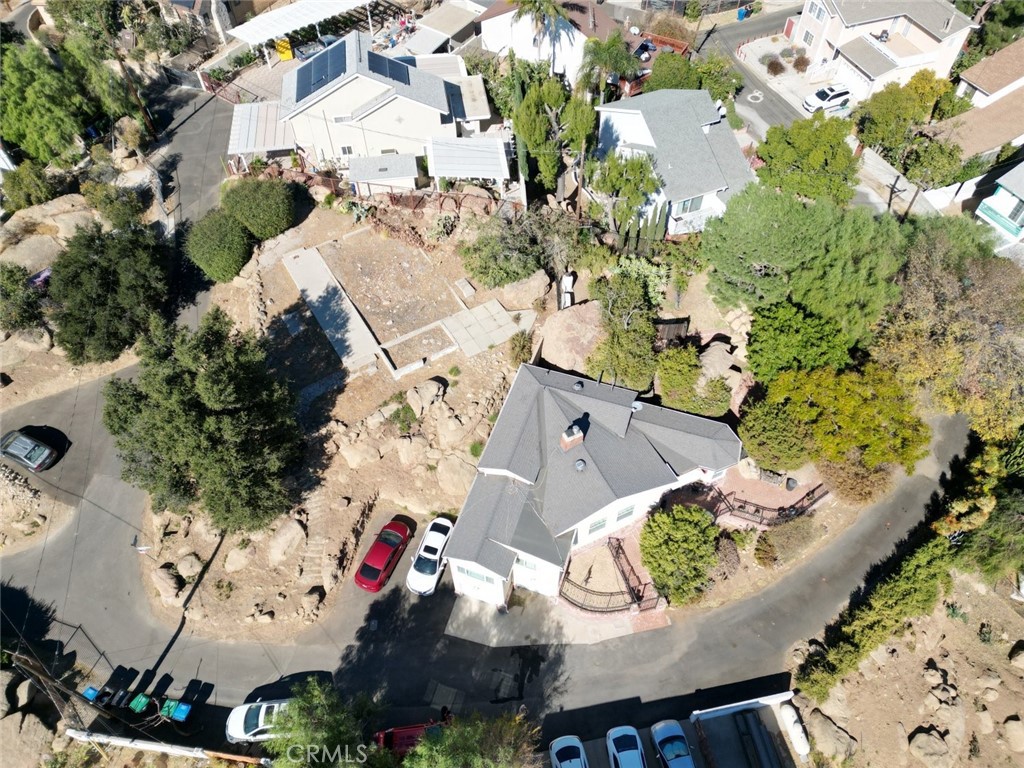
572, 437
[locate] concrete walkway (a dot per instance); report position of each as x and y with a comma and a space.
488, 325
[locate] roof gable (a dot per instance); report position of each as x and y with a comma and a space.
938, 18
995, 72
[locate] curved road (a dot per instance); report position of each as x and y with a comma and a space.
91, 575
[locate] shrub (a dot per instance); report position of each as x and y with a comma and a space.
121, 207
443, 227
403, 417
219, 245
476, 448
789, 540
677, 547
786, 53
265, 207
775, 67
764, 551
774, 437
520, 348
27, 185
765, 58
801, 63
19, 303
328, 202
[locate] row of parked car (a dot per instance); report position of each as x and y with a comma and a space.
387, 548
625, 749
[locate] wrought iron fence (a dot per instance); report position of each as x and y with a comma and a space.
594, 601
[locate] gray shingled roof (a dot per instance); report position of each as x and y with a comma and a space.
625, 451
688, 161
359, 59
932, 15
867, 58
1013, 181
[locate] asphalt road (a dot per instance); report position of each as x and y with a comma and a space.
757, 102
395, 644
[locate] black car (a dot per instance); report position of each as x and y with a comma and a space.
27, 451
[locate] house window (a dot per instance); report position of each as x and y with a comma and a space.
624, 514
688, 206
475, 575
389, 151
816, 11
346, 151
808, 37
523, 562
597, 525
1017, 214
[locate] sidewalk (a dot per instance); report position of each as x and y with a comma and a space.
540, 620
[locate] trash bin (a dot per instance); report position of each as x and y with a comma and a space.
741, 13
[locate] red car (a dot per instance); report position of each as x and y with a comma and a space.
384, 554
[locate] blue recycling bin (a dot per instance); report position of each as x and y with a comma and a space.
741, 13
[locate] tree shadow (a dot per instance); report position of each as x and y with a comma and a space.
186, 281
285, 686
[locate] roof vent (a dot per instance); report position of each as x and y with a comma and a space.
948, 24
636, 406
580, 465
578, 386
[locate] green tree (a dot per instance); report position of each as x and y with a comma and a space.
41, 107
205, 421
1013, 456
679, 371
671, 72
547, 16
840, 265
626, 354
933, 163
810, 158
265, 207
536, 120
693, 10
122, 207
219, 245
503, 742
717, 76
866, 412
601, 58
627, 184
579, 117
774, 437
317, 726
677, 547
786, 337
105, 285
27, 185
509, 250
506, 83
19, 303
997, 547
926, 89
886, 120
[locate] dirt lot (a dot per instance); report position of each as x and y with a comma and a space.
948, 673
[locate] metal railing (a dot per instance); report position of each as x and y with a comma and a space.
629, 574
594, 601
1003, 221
764, 515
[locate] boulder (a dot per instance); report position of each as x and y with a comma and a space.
1017, 655
522, 294
454, 476
716, 361
358, 453
932, 676
930, 749
24, 693
32, 340
190, 565
312, 599
987, 679
829, 738
8, 682
236, 560
989, 694
412, 450
167, 582
24, 740
422, 396
570, 335
985, 723
285, 540
265, 618
1013, 732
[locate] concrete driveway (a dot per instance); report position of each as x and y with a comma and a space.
394, 642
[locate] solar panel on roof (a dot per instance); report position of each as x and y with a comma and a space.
398, 71
377, 64
336, 60
324, 68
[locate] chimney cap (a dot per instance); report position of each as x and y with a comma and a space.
578, 386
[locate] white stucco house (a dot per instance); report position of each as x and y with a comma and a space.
867, 44
571, 460
348, 101
1003, 210
693, 150
501, 32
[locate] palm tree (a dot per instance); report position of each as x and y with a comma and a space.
546, 15
602, 58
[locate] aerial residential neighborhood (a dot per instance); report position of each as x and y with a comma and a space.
512, 383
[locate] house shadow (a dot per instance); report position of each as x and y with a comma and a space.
403, 657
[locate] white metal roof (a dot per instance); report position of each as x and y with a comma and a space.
382, 168
425, 40
278, 23
472, 157
258, 127
448, 19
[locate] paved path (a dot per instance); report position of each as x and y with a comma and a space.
395, 643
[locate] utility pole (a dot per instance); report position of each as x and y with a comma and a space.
133, 92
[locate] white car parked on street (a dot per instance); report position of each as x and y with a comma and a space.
427, 565
253, 722
568, 752
624, 748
